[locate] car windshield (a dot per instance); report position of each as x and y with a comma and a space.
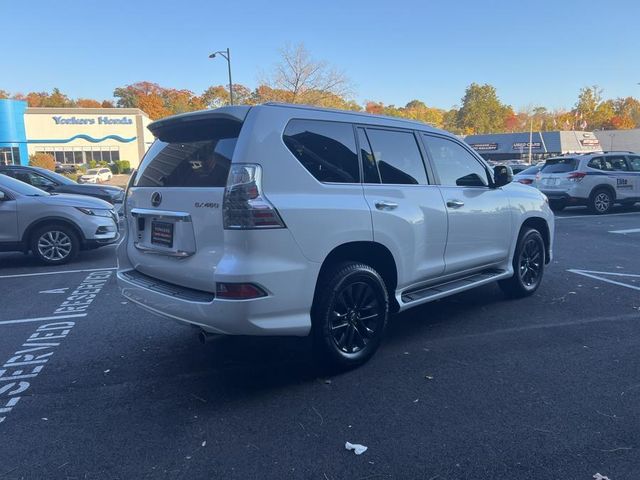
560, 165
530, 171
93, 171
21, 188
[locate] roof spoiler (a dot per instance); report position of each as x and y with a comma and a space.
233, 113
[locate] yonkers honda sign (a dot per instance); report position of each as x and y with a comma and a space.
91, 121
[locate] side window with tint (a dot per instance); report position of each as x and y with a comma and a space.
456, 167
39, 181
326, 149
634, 163
597, 163
398, 157
619, 164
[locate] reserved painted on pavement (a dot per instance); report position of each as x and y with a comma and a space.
25, 364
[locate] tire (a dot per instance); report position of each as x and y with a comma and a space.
601, 201
349, 315
557, 205
528, 266
54, 244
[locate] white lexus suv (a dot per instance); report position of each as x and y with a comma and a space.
290, 220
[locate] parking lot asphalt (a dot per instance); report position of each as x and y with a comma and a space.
470, 387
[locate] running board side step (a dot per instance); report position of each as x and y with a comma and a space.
434, 292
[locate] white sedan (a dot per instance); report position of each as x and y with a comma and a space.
96, 175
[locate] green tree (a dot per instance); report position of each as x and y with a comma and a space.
482, 111
450, 121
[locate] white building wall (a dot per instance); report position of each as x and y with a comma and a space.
81, 133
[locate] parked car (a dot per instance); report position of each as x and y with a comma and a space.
65, 168
516, 168
55, 183
54, 227
528, 175
290, 220
597, 180
96, 175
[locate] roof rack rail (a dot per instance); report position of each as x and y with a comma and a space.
618, 151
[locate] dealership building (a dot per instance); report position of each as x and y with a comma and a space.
72, 135
515, 146
627, 140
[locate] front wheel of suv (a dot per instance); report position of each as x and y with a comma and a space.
528, 266
349, 315
601, 201
54, 244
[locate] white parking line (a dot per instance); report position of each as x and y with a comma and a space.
599, 216
598, 276
41, 319
624, 232
56, 273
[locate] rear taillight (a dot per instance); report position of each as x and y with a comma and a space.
239, 291
526, 181
244, 206
576, 176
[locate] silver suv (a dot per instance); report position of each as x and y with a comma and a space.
597, 180
53, 226
291, 220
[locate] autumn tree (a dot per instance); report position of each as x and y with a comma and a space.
218, 96
482, 111
303, 79
156, 101
417, 110
42, 160
87, 103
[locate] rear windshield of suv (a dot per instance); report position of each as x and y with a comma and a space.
560, 165
530, 171
190, 154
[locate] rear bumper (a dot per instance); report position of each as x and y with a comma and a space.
277, 266
563, 196
269, 315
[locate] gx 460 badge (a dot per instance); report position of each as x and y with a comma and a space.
206, 205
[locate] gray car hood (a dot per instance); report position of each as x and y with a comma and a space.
70, 200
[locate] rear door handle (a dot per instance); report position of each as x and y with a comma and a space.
455, 204
384, 205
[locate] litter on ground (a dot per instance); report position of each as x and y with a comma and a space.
356, 447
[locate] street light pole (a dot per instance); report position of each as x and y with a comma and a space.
226, 54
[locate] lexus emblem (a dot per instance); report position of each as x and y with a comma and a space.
156, 199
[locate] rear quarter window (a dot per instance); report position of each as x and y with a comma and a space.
560, 165
326, 149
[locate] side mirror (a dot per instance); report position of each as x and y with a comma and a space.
502, 175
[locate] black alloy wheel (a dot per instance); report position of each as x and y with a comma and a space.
350, 313
528, 265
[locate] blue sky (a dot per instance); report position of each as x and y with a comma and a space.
534, 53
